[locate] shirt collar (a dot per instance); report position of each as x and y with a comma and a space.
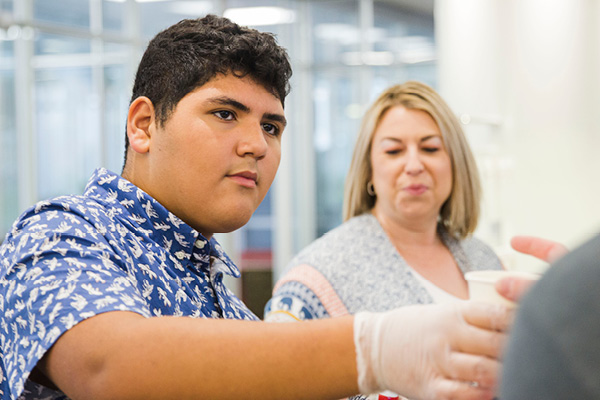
153, 219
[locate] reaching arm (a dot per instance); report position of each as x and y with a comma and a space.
421, 350
123, 355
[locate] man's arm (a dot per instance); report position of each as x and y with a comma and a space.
123, 355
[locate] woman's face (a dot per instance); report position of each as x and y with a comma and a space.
412, 171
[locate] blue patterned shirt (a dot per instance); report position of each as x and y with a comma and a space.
113, 248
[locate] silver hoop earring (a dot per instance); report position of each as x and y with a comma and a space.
370, 189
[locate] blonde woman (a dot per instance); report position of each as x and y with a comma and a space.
411, 204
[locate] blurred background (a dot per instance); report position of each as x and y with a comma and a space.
523, 76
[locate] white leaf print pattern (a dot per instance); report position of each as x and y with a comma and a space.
72, 257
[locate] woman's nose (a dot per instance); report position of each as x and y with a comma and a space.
414, 164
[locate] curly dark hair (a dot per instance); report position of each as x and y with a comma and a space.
188, 54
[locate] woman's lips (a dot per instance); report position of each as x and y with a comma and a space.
416, 190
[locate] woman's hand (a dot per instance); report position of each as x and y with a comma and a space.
546, 250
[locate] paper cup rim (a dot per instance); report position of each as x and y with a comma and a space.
492, 276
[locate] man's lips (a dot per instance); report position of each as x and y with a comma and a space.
245, 178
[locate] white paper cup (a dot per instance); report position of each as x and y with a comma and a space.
482, 284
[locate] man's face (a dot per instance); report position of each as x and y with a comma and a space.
213, 161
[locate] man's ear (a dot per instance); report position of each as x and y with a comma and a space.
140, 124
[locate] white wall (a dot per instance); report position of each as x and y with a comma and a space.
526, 74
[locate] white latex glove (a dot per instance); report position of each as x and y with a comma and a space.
431, 351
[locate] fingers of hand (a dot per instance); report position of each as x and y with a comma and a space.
479, 371
449, 389
494, 317
482, 342
513, 288
543, 249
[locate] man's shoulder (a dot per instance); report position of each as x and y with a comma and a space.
54, 220
59, 209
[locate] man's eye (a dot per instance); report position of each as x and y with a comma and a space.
224, 114
271, 129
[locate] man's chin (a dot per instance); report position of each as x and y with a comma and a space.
233, 224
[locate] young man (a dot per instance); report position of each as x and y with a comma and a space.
97, 291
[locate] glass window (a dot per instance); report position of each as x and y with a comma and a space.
73, 13
335, 29
257, 233
116, 104
113, 14
117, 83
395, 21
51, 44
163, 14
81, 106
383, 77
67, 128
407, 38
6, 6
337, 111
8, 139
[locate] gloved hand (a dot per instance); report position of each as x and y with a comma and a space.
431, 351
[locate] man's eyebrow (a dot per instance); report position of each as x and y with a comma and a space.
228, 101
277, 118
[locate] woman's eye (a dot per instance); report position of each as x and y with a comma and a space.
431, 149
393, 151
224, 114
271, 129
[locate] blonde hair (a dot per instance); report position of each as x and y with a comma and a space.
460, 212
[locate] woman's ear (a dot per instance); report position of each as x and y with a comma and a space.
140, 123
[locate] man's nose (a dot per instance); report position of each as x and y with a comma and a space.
252, 142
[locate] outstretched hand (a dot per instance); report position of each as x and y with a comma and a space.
546, 250
432, 351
